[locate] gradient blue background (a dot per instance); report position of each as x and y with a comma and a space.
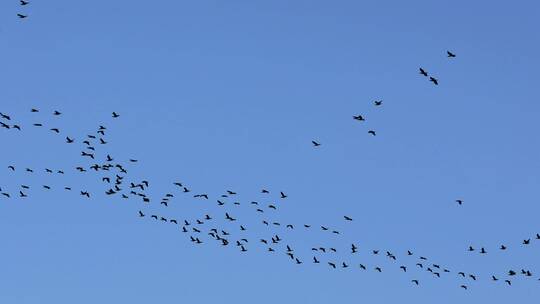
228, 95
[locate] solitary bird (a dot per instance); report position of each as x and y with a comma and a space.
423, 72
450, 54
24, 2
315, 144
460, 202
115, 115
372, 132
377, 102
359, 118
22, 16
434, 80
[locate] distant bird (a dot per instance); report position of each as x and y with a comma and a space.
434, 80
283, 195
526, 242
141, 214
315, 260
460, 202
372, 132
359, 118
503, 247
347, 218
56, 130
353, 248
332, 265
377, 103
56, 113
464, 287
265, 191
315, 144
450, 54
69, 140
24, 2
22, 16
34, 110
423, 72
415, 282
115, 115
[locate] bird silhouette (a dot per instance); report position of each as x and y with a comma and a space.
315, 144
423, 72
450, 54
359, 118
372, 132
434, 80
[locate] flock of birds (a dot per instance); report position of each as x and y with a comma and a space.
379, 103
220, 222
223, 226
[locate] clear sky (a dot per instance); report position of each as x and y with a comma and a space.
228, 95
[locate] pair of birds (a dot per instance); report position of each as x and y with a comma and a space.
23, 3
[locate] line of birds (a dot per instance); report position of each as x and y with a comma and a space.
434, 80
271, 240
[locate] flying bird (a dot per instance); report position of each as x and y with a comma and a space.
450, 54
423, 72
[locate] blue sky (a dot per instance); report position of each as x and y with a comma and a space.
228, 95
